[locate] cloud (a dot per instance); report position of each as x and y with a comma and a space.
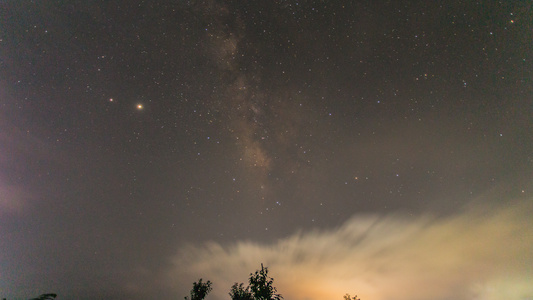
475, 254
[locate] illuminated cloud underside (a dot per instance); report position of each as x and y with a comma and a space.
473, 255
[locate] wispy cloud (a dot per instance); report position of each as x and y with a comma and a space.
475, 254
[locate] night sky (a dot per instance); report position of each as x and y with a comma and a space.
377, 148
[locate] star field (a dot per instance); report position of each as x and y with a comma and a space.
131, 130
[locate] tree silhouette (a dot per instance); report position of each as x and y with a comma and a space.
262, 287
347, 297
199, 290
238, 292
45, 297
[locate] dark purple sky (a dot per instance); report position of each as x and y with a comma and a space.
146, 144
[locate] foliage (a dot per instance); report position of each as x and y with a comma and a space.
200, 290
347, 297
45, 297
238, 292
262, 287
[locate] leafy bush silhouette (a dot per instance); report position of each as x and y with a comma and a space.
239, 292
262, 287
347, 297
45, 297
199, 290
